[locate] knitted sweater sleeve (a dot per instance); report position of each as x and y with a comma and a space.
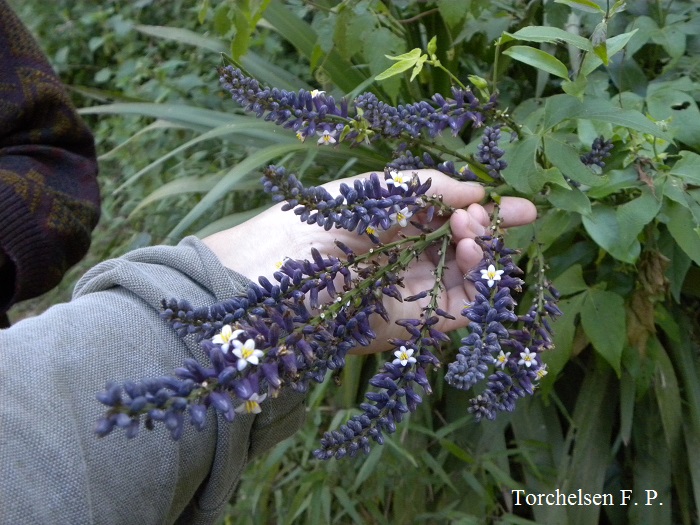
55, 470
49, 197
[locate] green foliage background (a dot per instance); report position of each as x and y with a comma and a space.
620, 408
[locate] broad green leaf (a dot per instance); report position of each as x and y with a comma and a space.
634, 215
688, 167
452, 11
584, 5
603, 320
565, 157
680, 110
376, 44
604, 229
552, 35
613, 44
524, 173
570, 200
559, 108
683, 229
571, 281
396, 69
414, 54
538, 59
603, 110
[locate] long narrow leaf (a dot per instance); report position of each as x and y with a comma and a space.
240, 126
233, 177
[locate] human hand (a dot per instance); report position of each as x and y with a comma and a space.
255, 247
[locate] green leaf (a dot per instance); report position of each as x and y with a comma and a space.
567, 159
570, 200
552, 35
598, 39
583, 5
605, 111
684, 229
180, 186
571, 281
523, 173
538, 59
603, 320
613, 44
239, 126
634, 215
300, 34
194, 118
395, 69
679, 109
231, 179
592, 421
564, 334
559, 108
603, 227
452, 11
183, 36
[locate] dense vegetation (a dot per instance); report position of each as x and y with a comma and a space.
620, 408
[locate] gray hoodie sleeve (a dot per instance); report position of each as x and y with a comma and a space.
54, 469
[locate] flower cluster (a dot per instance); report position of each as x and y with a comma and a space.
364, 119
367, 207
600, 150
489, 154
501, 342
291, 331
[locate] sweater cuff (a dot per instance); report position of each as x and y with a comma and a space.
20, 239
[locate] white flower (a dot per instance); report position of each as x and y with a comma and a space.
397, 180
246, 353
315, 93
251, 405
226, 337
491, 275
301, 136
326, 137
404, 356
400, 216
527, 358
501, 359
541, 371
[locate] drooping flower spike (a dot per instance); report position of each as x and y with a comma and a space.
292, 332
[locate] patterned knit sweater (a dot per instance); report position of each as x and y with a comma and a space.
49, 198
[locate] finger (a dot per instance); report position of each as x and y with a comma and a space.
469, 223
514, 211
457, 194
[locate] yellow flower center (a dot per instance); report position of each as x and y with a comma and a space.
247, 352
404, 356
251, 406
370, 230
400, 216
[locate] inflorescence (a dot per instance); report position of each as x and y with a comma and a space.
292, 332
